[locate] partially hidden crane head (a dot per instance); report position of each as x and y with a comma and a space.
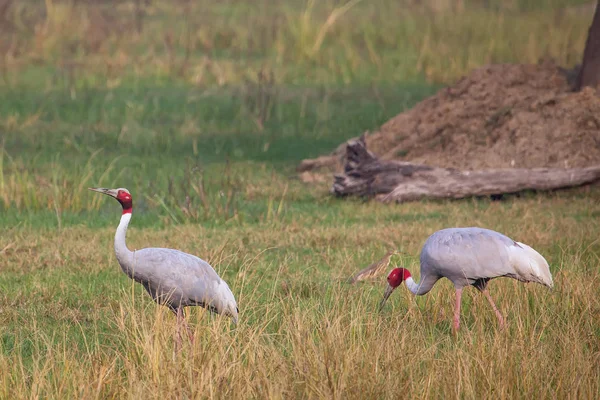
121, 194
395, 278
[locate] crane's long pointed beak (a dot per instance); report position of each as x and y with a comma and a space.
386, 295
108, 192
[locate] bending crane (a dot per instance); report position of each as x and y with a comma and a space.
471, 256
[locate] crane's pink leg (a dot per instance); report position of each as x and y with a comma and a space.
456, 324
189, 330
498, 314
178, 334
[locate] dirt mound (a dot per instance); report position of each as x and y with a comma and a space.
500, 116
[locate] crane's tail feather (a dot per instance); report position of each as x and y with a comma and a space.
530, 265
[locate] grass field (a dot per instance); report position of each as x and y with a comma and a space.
203, 111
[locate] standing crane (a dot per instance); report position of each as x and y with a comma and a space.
471, 256
173, 278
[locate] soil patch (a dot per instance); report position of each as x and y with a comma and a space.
500, 116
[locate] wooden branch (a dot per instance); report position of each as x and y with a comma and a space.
366, 175
316, 163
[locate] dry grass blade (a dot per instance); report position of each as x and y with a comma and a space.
374, 270
7, 247
331, 20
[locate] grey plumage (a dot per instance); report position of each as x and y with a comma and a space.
468, 256
177, 279
472, 256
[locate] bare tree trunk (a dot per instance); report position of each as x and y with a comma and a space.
589, 75
366, 175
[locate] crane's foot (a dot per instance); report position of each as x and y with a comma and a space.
501, 321
191, 336
455, 326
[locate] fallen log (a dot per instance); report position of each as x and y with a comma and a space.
366, 175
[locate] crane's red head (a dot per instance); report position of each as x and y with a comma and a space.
395, 278
121, 194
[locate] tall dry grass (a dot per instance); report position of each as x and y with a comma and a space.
332, 346
305, 333
208, 44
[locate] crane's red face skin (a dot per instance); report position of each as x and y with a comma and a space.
122, 195
126, 201
395, 278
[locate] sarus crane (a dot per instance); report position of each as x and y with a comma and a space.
470, 257
173, 278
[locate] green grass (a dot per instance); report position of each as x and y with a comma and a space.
208, 144
70, 317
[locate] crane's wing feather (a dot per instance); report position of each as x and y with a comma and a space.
530, 265
467, 255
182, 278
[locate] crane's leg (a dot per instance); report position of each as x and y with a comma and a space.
187, 327
179, 313
456, 324
498, 314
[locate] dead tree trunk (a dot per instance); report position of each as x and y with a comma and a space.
589, 75
365, 175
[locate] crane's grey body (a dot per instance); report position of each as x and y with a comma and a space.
177, 279
187, 280
473, 256
173, 278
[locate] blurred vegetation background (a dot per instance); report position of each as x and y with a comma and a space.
203, 109
206, 43
148, 94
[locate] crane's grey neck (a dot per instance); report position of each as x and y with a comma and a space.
419, 288
124, 255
